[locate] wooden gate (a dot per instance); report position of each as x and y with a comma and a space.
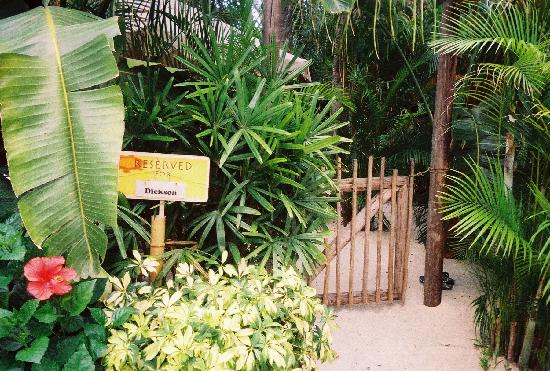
366, 262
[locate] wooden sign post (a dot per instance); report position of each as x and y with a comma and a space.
163, 177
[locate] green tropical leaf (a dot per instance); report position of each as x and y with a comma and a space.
487, 214
46, 313
35, 352
62, 132
121, 315
79, 297
80, 361
26, 311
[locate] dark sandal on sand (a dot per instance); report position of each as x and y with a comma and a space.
447, 282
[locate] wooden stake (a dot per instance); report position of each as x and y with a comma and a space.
352, 246
366, 240
402, 214
158, 230
408, 237
391, 244
338, 222
379, 234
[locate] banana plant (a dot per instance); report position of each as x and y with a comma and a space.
62, 124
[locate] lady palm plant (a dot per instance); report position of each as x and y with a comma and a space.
270, 140
274, 149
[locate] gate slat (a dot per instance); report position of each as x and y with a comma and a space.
402, 202
379, 234
408, 236
366, 240
352, 245
327, 275
391, 242
338, 223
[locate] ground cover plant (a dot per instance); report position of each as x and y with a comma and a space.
236, 317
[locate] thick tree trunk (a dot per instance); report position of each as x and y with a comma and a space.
272, 22
441, 139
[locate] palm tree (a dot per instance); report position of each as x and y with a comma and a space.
491, 221
504, 92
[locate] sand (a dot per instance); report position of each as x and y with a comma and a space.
395, 337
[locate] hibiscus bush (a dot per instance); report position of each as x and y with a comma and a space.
236, 318
46, 320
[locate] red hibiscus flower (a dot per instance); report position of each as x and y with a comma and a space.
47, 276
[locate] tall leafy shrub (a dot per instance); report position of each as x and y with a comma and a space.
273, 149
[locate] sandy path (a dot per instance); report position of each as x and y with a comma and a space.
399, 337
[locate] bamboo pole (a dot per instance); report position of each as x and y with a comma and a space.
157, 244
352, 245
408, 237
379, 234
391, 244
366, 240
509, 161
338, 222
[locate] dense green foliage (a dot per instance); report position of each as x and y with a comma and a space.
272, 144
505, 226
270, 140
62, 333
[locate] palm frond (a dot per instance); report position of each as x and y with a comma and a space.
486, 211
472, 28
527, 73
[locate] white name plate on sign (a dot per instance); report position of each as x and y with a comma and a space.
159, 190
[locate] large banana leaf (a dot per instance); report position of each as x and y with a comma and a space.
62, 126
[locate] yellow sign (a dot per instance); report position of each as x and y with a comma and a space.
157, 176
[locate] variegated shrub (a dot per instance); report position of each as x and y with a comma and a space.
238, 318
